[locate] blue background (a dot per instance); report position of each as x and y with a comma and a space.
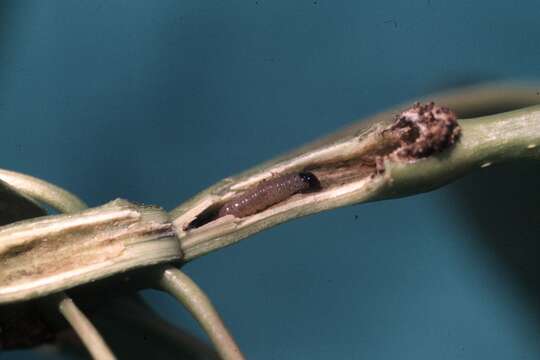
154, 101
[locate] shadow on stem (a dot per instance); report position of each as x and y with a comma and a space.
504, 204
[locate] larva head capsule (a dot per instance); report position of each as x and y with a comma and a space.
310, 179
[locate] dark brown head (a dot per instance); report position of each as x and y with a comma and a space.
311, 180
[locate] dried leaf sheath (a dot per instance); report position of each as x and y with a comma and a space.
53, 253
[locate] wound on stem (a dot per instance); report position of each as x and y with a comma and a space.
418, 132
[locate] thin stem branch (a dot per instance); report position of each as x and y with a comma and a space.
131, 316
198, 304
43, 191
83, 327
17, 206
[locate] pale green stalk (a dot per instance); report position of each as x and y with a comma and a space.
199, 305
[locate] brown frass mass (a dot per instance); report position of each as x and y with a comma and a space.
423, 130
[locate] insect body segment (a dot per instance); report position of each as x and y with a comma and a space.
268, 193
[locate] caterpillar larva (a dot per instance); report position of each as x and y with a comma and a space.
268, 193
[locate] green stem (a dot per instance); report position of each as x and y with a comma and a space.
43, 191
198, 304
485, 141
84, 328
